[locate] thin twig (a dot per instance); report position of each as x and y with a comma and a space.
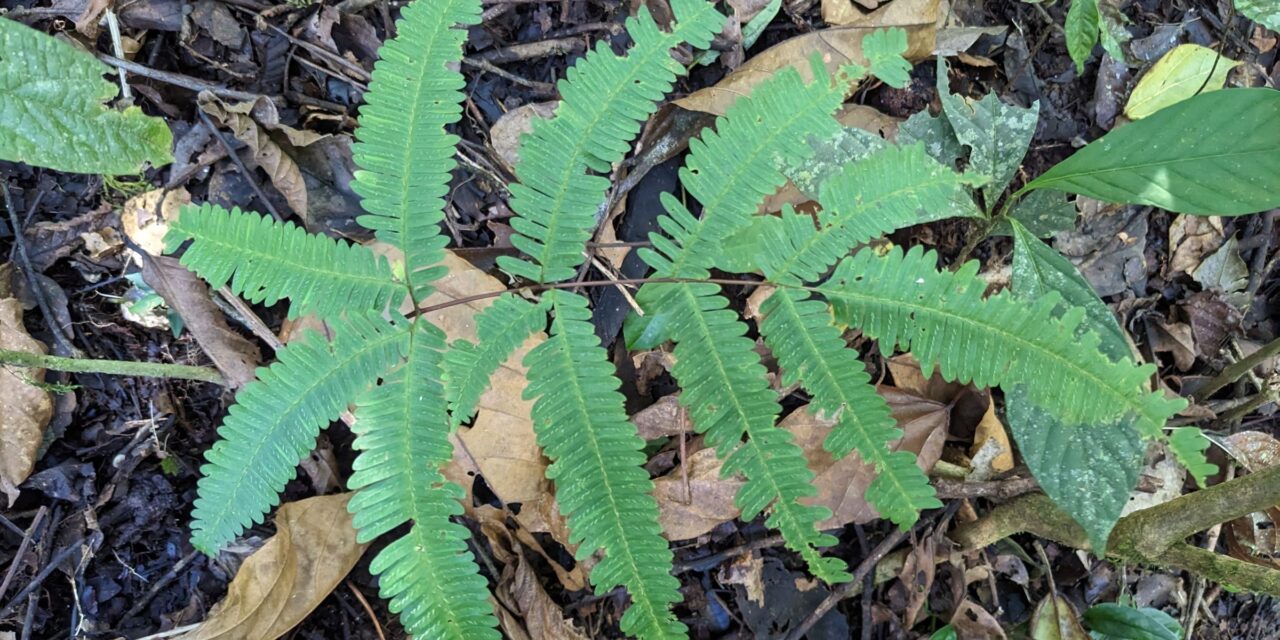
37, 291
179, 80
1238, 369
367, 609
159, 584
27, 537
40, 577
111, 367
235, 158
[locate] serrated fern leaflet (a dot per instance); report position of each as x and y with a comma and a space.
404, 153
596, 462
265, 261
943, 319
276, 419
606, 98
500, 329
403, 439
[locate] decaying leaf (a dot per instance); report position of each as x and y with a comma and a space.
253, 123
1185, 71
25, 409
312, 551
505, 134
838, 46
690, 509
1056, 619
145, 217
1256, 537
233, 354
1192, 238
992, 453
972, 622
501, 443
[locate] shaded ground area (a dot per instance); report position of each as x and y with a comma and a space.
95, 545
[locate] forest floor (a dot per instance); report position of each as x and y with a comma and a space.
95, 542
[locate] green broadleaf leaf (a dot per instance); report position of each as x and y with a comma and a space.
1038, 269
52, 113
1185, 71
1111, 29
1064, 457
1082, 31
1043, 213
1263, 12
1117, 622
883, 49
997, 134
1215, 154
1087, 468
935, 132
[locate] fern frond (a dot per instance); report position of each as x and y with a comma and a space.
500, 329
942, 318
1188, 445
810, 350
404, 153
890, 189
402, 430
265, 261
728, 396
596, 462
276, 419
730, 170
605, 99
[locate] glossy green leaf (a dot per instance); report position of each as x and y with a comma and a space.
1215, 154
52, 111
883, 49
1185, 71
935, 132
996, 133
1263, 12
1111, 29
1082, 31
1111, 621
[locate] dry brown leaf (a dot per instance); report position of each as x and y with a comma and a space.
145, 218
746, 570
837, 46
1256, 537
539, 615
664, 418
1192, 238
505, 134
25, 409
233, 354
842, 484
706, 501
991, 439
253, 123
841, 12
280, 584
972, 622
1056, 619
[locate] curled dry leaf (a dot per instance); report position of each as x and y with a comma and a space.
312, 551
992, 453
838, 46
25, 409
254, 124
233, 354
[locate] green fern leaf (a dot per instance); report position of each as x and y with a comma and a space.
404, 153
596, 457
276, 419
51, 111
266, 261
943, 319
500, 329
606, 97
730, 170
893, 188
810, 350
883, 49
429, 576
1188, 445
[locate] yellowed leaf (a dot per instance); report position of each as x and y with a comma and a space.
991, 439
280, 584
838, 46
25, 409
1056, 619
145, 218
1186, 70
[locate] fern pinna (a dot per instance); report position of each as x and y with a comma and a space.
410, 388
